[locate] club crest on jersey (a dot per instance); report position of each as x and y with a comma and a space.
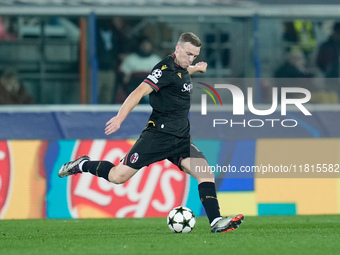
187, 87
164, 67
157, 73
179, 75
134, 157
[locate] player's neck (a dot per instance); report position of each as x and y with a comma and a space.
177, 62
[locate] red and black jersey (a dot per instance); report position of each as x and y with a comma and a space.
170, 99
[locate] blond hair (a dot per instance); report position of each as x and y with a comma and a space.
191, 38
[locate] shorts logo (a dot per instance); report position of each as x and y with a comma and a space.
157, 73
134, 157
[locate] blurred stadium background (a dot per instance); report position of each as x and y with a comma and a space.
51, 50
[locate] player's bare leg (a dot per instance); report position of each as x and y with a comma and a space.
121, 173
189, 166
199, 169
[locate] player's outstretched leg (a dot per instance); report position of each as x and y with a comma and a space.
226, 224
105, 169
208, 196
72, 167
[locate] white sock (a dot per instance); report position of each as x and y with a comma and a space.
81, 165
215, 220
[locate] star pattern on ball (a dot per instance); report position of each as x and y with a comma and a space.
180, 210
185, 223
171, 221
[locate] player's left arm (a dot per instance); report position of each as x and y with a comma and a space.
199, 67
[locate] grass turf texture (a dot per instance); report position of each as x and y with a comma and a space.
256, 235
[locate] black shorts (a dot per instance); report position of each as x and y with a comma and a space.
153, 146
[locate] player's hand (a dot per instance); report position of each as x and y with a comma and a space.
201, 67
112, 125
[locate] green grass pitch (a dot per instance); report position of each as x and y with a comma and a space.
256, 235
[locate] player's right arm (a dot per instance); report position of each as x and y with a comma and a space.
130, 102
199, 67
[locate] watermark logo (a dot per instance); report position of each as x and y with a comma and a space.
204, 97
239, 103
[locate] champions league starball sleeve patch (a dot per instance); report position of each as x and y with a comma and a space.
157, 73
153, 78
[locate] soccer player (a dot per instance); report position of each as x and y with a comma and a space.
167, 134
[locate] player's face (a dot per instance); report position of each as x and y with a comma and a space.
186, 53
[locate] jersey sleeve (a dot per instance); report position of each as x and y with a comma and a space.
159, 77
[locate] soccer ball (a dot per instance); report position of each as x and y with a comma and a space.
181, 220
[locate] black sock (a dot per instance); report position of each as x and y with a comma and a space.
207, 192
98, 168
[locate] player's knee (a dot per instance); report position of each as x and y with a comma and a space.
118, 179
121, 174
